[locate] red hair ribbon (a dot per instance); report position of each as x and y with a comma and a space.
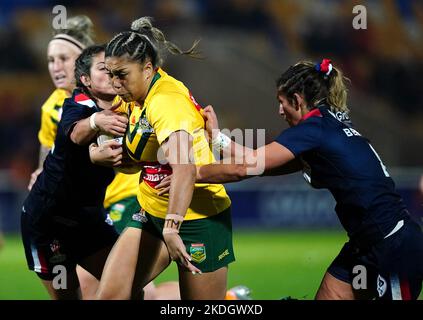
325, 66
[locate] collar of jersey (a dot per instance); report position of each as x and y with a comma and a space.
156, 77
81, 98
313, 113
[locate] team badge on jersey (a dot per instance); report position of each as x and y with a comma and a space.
197, 252
140, 216
57, 256
145, 126
117, 211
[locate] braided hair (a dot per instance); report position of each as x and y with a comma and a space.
318, 83
145, 41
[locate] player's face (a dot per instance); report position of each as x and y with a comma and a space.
290, 113
130, 79
61, 64
100, 83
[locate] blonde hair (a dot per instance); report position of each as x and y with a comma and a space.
80, 28
317, 86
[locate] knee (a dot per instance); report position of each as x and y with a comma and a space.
334, 289
326, 292
112, 294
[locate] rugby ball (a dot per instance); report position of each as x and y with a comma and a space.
102, 138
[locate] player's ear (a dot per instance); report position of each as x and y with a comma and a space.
148, 70
298, 101
86, 81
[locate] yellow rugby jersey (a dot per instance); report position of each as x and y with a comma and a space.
51, 111
170, 107
122, 186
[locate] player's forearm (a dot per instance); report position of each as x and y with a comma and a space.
82, 133
182, 188
231, 149
221, 173
290, 167
240, 152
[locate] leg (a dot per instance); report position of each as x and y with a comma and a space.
150, 291
153, 258
89, 283
136, 258
333, 289
89, 272
206, 286
164, 291
209, 243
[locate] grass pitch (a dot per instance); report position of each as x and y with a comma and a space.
273, 264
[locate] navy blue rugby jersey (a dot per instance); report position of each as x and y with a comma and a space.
335, 156
68, 175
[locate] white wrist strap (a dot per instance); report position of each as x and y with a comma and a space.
220, 142
93, 126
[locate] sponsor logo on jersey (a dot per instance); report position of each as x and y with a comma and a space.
140, 216
223, 254
154, 174
381, 285
339, 115
57, 256
197, 252
109, 220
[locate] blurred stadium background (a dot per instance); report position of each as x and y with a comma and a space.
285, 233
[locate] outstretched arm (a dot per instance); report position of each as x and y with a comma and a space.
269, 159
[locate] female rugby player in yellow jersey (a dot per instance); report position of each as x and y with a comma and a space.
120, 200
191, 225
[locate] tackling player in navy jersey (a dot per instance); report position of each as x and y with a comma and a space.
384, 242
63, 219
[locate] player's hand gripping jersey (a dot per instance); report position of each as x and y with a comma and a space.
169, 107
68, 173
123, 186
